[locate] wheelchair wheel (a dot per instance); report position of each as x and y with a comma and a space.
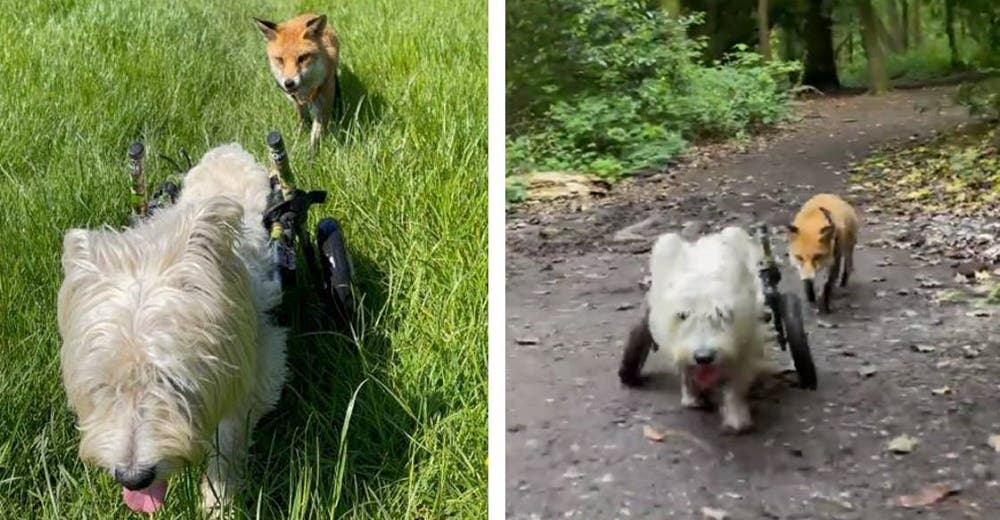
636, 352
335, 265
798, 342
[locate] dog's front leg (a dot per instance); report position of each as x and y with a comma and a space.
736, 406
690, 396
225, 466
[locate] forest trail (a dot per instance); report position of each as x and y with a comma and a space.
575, 443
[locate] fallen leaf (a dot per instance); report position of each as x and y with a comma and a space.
659, 436
928, 495
556, 185
653, 434
714, 514
994, 442
902, 444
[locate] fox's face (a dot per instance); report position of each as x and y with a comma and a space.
294, 52
810, 252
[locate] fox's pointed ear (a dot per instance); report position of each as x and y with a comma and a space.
792, 228
315, 26
826, 213
827, 232
268, 29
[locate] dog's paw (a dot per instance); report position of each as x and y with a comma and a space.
689, 400
736, 418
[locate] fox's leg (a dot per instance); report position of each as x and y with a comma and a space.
318, 127
830, 282
304, 116
848, 265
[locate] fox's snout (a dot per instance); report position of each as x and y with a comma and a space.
290, 84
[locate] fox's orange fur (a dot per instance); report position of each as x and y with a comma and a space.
304, 54
822, 236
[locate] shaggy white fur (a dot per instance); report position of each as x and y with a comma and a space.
705, 306
167, 344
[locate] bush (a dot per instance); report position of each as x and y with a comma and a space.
982, 99
639, 93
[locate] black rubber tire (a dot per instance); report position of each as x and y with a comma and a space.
798, 341
335, 264
635, 354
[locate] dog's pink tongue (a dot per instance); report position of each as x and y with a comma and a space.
146, 500
707, 376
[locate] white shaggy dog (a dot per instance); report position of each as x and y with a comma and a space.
168, 351
705, 307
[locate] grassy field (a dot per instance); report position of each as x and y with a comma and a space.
407, 177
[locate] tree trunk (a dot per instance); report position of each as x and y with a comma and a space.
905, 9
918, 36
821, 64
887, 38
763, 29
949, 28
850, 43
873, 48
895, 24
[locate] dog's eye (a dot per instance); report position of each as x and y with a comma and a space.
682, 316
798, 257
304, 58
279, 61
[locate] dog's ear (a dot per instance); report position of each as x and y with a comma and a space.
213, 232
76, 248
315, 26
792, 228
266, 28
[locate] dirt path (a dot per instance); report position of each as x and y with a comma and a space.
575, 447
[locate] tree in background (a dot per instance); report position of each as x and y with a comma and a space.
820, 59
873, 47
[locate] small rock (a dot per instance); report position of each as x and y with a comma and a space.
867, 371
548, 232
710, 513
923, 349
625, 306
902, 444
969, 352
526, 341
982, 471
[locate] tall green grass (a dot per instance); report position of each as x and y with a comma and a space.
395, 430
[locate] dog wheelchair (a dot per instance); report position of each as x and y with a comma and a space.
785, 316
326, 259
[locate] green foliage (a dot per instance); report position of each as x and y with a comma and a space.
639, 94
982, 98
406, 177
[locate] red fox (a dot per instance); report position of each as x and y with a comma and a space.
823, 233
305, 55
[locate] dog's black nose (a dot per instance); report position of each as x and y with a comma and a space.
704, 356
135, 478
289, 83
